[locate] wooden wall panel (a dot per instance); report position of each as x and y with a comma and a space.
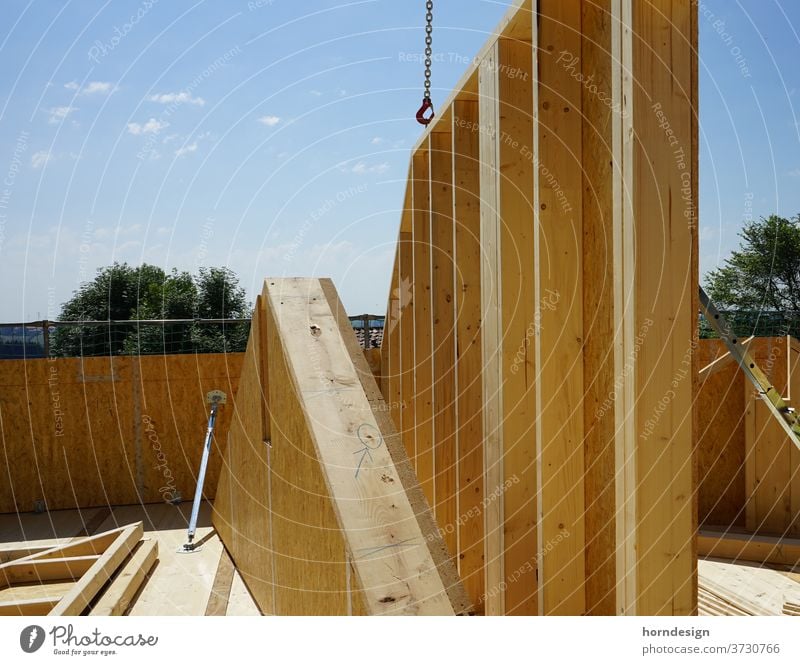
519, 325
559, 310
469, 427
423, 323
108, 431
242, 512
491, 332
405, 325
598, 304
662, 226
444, 354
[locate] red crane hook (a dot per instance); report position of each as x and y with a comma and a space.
427, 105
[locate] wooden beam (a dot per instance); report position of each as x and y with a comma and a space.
444, 354
655, 270
28, 607
748, 547
559, 315
491, 330
78, 598
35, 571
423, 322
595, 61
80, 547
427, 524
117, 598
405, 326
515, 83
385, 545
469, 411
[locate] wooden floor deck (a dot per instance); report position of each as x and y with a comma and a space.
741, 588
202, 583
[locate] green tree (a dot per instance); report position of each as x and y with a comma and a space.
122, 293
759, 284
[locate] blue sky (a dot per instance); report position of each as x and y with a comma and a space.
273, 136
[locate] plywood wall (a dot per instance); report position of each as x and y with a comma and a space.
104, 431
748, 468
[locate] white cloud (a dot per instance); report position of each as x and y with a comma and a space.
316, 93
58, 113
39, 159
795, 173
269, 120
182, 97
185, 150
152, 126
377, 140
362, 168
91, 88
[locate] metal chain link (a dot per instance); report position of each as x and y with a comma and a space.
428, 44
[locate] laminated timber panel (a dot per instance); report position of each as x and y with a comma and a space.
469, 398
445, 505
598, 304
491, 333
83, 432
242, 509
559, 315
721, 408
329, 419
405, 326
422, 369
655, 265
515, 78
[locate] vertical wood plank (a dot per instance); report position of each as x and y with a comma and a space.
559, 348
469, 430
444, 378
519, 324
491, 334
423, 323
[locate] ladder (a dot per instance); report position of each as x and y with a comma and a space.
785, 414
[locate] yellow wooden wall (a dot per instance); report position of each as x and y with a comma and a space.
539, 351
748, 469
109, 430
